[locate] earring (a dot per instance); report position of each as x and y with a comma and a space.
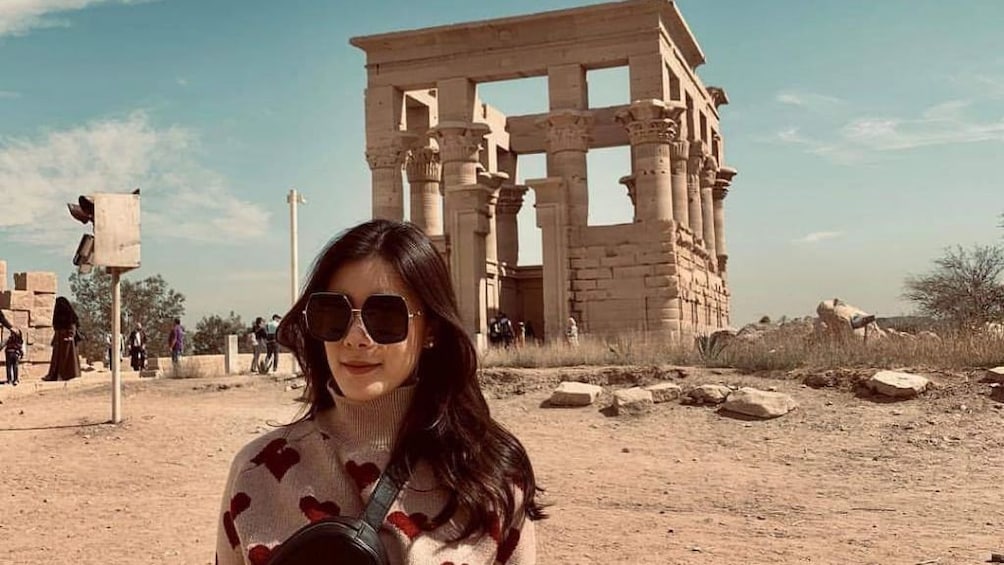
430, 344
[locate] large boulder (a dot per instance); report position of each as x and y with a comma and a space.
633, 401
574, 394
896, 384
836, 317
759, 403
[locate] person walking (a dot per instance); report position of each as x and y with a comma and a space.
14, 351
176, 342
271, 345
258, 339
137, 348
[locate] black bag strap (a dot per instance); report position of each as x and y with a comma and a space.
384, 493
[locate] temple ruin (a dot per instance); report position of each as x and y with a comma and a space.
663, 273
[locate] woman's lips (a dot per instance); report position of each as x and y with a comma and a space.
359, 368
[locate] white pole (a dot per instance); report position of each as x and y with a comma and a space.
293, 199
116, 359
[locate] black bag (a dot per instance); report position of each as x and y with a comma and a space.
345, 540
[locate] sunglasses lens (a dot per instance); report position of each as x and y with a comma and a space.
328, 316
386, 318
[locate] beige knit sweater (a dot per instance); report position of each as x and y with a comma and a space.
328, 466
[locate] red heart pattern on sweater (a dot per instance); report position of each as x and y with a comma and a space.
363, 475
259, 555
315, 510
277, 457
410, 524
239, 503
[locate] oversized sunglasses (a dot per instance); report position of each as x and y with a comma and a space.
385, 317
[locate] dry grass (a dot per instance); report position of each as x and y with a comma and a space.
772, 353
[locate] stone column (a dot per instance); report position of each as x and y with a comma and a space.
385, 161
708, 173
721, 190
567, 141
459, 144
468, 228
551, 211
652, 126
679, 153
509, 204
694, 197
629, 182
424, 174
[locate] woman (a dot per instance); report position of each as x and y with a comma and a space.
64, 364
391, 376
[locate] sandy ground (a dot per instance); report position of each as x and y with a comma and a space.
842, 479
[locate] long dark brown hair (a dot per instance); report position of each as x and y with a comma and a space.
448, 425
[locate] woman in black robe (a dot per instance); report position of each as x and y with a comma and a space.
65, 364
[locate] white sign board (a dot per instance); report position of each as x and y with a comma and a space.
116, 230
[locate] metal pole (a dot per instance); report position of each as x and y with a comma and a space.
116, 358
293, 199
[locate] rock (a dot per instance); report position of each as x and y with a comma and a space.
995, 375
817, 380
759, 403
574, 394
836, 316
664, 392
708, 394
896, 384
633, 402
997, 393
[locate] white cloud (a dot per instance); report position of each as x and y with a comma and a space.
807, 100
180, 198
18, 17
818, 236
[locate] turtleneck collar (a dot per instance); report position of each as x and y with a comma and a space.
373, 423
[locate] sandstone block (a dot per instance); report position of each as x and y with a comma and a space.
43, 300
584, 285
618, 261
39, 336
635, 272
16, 300
600, 273
709, 394
40, 318
995, 375
35, 282
40, 354
897, 384
759, 403
585, 263
657, 281
664, 392
633, 402
574, 394
17, 318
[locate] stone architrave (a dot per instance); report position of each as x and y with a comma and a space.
386, 160
424, 171
695, 198
507, 209
707, 178
551, 211
721, 190
567, 141
652, 126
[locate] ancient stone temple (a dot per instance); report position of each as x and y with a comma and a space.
663, 273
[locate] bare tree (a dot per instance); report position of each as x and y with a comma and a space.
964, 289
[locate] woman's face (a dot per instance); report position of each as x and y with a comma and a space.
364, 369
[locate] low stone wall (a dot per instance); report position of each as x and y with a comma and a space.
207, 365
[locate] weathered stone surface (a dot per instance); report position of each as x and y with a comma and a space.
44, 300
40, 282
759, 403
633, 402
897, 384
574, 394
664, 392
40, 318
708, 394
39, 336
997, 393
40, 353
820, 380
16, 300
836, 316
17, 318
995, 375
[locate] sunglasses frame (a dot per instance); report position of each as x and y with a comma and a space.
357, 313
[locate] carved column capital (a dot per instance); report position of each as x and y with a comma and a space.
709, 172
511, 199
679, 152
423, 165
629, 182
720, 189
459, 141
567, 130
727, 173
652, 121
698, 153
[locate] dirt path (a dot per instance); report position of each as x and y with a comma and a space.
841, 480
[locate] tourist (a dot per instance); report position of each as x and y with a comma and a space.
572, 332
14, 351
393, 397
271, 345
176, 342
137, 348
257, 337
64, 364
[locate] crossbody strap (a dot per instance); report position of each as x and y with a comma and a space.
384, 493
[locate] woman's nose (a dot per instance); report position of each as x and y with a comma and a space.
357, 336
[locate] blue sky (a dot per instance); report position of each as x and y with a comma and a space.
867, 136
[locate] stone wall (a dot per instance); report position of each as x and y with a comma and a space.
28, 306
